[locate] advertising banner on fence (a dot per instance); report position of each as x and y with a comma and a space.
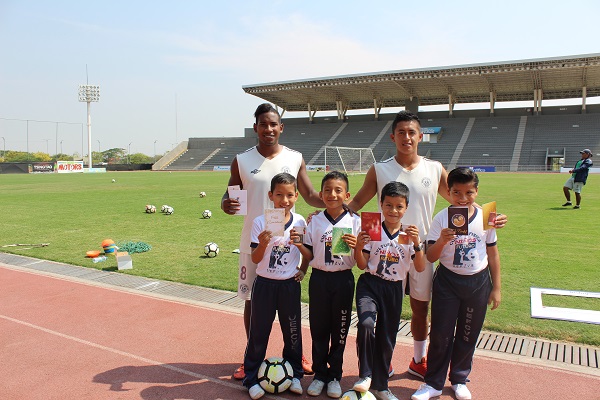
42, 167
63, 167
94, 170
431, 130
481, 168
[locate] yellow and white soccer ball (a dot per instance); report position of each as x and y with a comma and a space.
354, 395
275, 375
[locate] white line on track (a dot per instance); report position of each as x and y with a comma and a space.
147, 285
200, 377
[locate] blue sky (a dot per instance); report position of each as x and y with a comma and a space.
173, 70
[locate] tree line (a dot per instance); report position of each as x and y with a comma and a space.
110, 156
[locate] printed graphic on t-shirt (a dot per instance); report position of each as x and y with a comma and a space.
465, 253
386, 262
330, 258
391, 261
278, 256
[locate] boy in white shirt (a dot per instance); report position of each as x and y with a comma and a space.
379, 290
276, 288
466, 281
331, 287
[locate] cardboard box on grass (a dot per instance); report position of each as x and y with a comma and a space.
124, 260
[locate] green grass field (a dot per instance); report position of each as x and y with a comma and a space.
544, 245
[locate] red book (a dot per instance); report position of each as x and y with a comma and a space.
370, 222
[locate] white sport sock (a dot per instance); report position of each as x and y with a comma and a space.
419, 349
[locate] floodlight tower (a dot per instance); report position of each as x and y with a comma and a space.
89, 94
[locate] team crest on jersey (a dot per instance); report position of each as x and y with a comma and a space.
286, 169
255, 171
426, 182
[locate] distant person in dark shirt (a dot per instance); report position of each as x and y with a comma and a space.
578, 178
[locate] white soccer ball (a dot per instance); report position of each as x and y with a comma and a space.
164, 208
113, 181
206, 214
169, 210
275, 375
150, 208
202, 194
354, 395
211, 249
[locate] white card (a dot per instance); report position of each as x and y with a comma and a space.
275, 221
242, 197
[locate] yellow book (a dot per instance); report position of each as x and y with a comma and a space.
489, 215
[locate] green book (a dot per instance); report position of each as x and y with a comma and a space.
338, 246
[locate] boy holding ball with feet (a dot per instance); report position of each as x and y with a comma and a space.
277, 287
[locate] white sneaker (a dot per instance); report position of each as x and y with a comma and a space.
461, 391
362, 385
256, 392
425, 392
296, 387
334, 390
383, 395
315, 388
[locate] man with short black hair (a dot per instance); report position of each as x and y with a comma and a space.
425, 179
253, 170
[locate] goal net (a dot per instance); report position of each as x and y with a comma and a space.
349, 159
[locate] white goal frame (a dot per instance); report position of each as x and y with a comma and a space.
351, 160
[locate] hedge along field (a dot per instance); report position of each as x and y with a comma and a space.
544, 245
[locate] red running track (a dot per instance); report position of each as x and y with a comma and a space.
66, 339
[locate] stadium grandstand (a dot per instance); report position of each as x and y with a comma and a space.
532, 138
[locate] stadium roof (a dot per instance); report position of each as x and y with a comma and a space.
558, 78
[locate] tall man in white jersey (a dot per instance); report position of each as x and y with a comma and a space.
253, 170
425, 179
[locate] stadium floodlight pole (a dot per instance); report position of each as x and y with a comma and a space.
27, 140
129, 154
82, 136
89, 94
98, 145
61, 150
155, 149
4, 147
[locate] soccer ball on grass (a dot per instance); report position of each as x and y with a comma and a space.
275, 375
211, 249
150, 209
202, 194
206, 214
169, 210
164, 208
